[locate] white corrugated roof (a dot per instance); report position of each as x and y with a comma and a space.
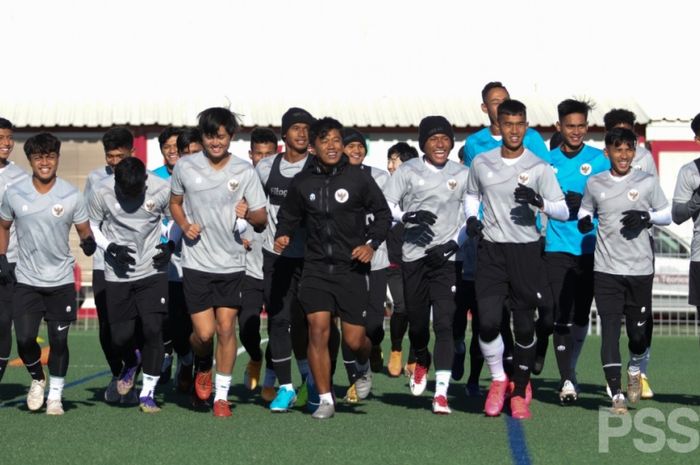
385, 111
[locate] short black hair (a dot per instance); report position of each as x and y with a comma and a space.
42, 143
167, 133
695, 125
186, 137
263, 136
118, 138
322, 127
212, 118
6, 124
512, 107
617, 116
403, 150
130, 176
569, 106
618, 136
491, 85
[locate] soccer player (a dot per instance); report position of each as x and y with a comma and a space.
334, 198
282, 271
9, 174
398, 323
427, 194
263, 144
686, 205
627, 202
189, 141
211, 183
488, 138
621, 118
43, 208
513, 185
569, 253
177, 325
118, 144
126, 211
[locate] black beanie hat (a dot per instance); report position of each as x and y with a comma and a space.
431, 125
295, 115
353, 135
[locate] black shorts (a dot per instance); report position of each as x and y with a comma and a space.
514, 271
424, 285
252, 294
6, 293
694, 284
130, 299
571, 279
176, 300
345, 295
205, 290
57, 303
617, 294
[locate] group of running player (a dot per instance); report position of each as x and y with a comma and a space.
521, 237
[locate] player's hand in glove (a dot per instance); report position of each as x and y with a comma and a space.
524, 194
162, 258
474, 228
634, 219
88, 245
421, 217
573, 203
7, 274
121, 254
436, 256
585, 224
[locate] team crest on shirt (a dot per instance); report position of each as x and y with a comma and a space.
586, 169
452, 184
233, 185
149, 205
523, 178
633, 195
312, 197
341, 196
57, 210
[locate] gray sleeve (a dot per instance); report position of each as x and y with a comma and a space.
80, 214
686, 201
176, 186
658, 199
5, 209
253, 193
549, 186
588, 201
473, 182
396, 187
94, 207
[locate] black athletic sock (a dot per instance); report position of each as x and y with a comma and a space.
398, 324
523, 360
423, 357
203, 363
3, 366
563, 345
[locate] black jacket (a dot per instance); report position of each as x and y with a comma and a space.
333, 202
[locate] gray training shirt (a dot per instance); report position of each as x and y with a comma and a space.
8, 176
296, 246
644, 160
494, 181
94, 178
133, 224
618, 251
417, 186
211, 196
380, 259
43, 222
686, 203
254, 256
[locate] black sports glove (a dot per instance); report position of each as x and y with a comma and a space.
7, 274
422, 217
634, 219
474, 228
88, 245
585, 224
524, 194
436, 256
162, 258
573, 203
121, 254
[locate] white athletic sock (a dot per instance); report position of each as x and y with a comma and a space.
303, 366
289, 386
636, 361
223, 382
493, 355
269, 379
56, 387
148, 388
327, 397
578, 337
442, 382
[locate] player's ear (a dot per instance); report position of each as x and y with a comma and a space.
558, 126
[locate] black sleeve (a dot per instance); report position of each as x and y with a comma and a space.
291, 212
375, 203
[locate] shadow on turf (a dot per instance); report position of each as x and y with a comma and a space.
11, 390
459, 401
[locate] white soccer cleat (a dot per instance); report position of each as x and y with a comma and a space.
35, 396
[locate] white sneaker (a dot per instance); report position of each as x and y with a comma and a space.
112, 396
568, 394
418, 380
363, 385
54, 407
440, 406
35, 396
619, 404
